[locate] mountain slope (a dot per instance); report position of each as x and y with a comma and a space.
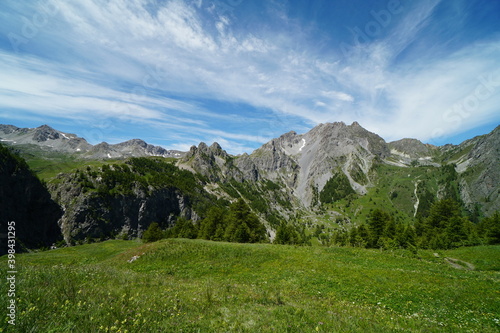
304, 163
124, 199
478, 164
331, 177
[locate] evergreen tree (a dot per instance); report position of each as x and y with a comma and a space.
409, 238
336, 188
353, 236
211, 226
489, 229
455, 232
243, 225
153, 233
441, 212
363, 236
377, 221
340, 238
183, 228
445, 227
390, 229
286, 234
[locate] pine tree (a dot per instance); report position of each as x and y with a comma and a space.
489, 229
455, 232
243, 225
282, 235
441, 212
377, 221
363, 235
211, 225
153, 233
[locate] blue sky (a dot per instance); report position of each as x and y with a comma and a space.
241, 72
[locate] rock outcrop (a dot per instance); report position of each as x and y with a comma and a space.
212, 162
285, 176
94, 216
478, 163
26, 201
305, 162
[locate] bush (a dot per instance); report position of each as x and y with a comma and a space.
153, 233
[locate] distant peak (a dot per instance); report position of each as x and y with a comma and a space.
202, 146
102, 144
134, 142
215, 146
45, 126
44, 133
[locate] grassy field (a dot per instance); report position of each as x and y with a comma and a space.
181, 285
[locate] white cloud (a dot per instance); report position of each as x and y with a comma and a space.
125, 59
338, 95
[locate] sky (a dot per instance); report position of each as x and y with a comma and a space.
241, 72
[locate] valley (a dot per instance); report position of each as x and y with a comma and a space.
367, 236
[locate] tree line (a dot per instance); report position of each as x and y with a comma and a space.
236, 223
445, 227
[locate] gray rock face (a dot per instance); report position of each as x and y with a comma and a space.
478, 163
88, 215
44, 133
131, 148
413, 148
300, 164
305, 162
406, 152
212, 162
25, 201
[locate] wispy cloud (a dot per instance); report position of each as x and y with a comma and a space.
166, 64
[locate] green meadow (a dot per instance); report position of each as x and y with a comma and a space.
179, 285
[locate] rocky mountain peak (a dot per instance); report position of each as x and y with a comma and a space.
217, 150
288, 136
202, 147
8, 129
44, 133
215, 146
211, 162
101, 145
411, 147
133, 142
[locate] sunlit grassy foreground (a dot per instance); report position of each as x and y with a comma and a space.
199, 286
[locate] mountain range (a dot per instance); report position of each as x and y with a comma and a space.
332, 175
50, 139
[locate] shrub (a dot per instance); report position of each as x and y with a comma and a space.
153, 233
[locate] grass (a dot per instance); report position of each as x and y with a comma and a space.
47, 164
483, 257
48, 168
181, 285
